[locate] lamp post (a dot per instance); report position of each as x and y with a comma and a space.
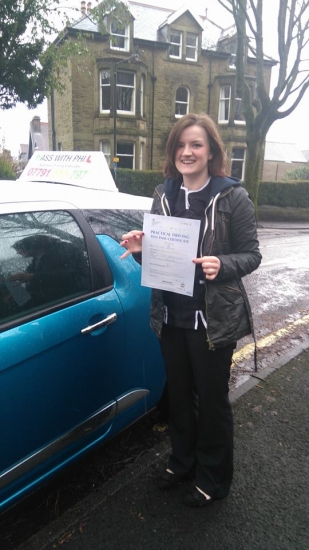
127, 60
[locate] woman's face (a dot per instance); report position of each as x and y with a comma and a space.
193, 153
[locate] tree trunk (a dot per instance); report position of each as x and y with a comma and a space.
254, 158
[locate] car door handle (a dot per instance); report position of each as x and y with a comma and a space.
107, 321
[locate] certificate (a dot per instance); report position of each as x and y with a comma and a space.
169, 245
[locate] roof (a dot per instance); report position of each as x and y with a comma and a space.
178, 13
306, 154
20, 196
283, 152
149, 20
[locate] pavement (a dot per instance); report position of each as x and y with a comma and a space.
285, 225
267, 509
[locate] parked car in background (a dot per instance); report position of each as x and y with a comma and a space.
79, 361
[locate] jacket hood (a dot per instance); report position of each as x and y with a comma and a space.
217, 184
220, 183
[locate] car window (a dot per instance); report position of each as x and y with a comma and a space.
114, 222
43, 261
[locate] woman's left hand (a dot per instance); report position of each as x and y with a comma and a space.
210, 264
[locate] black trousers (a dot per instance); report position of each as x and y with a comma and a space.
200, 413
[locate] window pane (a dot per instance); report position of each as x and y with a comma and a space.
182, 101
190, 53
238, 153
125, 92
238, 162
175, 44
224, 103
125, 152
105, 78
106, 98
176, 37
125, 78
191, 46
119, 42
225, 92
232, 61
125, 148
239, 113
143, 86
114, 222
119, 37
236, 171
124, 99
125, 162
181, 109
105, 90
182, 94
43, 261
175, 51
117, 30
106, 149
191, 39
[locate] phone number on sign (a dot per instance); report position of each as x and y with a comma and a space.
57, 173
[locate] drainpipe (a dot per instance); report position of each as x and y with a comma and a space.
52, 114
153, 81
209, 85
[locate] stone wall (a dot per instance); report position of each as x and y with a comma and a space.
276, 170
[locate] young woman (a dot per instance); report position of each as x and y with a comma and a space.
198, 334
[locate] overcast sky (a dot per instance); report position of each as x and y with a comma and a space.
14, 123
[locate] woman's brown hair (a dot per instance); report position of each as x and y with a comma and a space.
216, 165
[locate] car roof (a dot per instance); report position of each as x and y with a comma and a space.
23, 196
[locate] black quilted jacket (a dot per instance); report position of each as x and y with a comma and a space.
230, 234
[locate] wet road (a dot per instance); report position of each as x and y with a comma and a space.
279, 297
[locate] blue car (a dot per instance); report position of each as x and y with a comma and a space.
79, 361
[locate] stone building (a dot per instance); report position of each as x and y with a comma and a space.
280, 158
125, 97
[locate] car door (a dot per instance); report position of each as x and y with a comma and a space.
62, 326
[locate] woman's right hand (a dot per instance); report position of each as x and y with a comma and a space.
132, 241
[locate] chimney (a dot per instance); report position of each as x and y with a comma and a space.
83, 7
89, 5
36, 124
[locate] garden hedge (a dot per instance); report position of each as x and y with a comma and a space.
281, 194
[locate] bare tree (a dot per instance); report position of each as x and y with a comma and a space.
293, 76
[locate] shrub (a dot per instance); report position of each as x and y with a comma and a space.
138, 182
281, 194
295, 194
301, 173
7, 172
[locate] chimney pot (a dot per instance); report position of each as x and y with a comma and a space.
36, 124
83, 6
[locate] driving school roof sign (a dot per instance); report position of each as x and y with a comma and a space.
80, 168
